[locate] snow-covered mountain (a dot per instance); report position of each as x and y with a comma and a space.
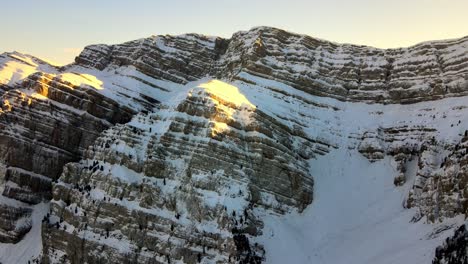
266, 147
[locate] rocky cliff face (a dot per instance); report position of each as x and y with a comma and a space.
426, 71
194, 182
174, 148
454, 248
47, 120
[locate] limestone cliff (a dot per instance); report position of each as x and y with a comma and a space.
176, 148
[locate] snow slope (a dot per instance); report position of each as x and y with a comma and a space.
15, 67
357, 216
30, 247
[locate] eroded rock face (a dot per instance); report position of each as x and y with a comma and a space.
177, 59
455, 248
141, 192
45, 122
167, 166
15, 222
427, 71
440, 189
403, 143
438, 168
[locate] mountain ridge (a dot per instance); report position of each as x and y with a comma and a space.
194, 149
344, 72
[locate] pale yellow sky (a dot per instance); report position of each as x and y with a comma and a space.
58, 30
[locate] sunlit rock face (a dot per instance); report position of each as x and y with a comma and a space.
188, 174
46, 121
426, 71
174, 148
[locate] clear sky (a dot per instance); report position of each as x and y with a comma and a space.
58, 29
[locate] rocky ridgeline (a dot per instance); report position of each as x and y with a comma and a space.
166, 167
177, 59
427, 71
188, 180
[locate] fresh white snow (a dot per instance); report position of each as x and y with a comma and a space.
356, 217
31, 245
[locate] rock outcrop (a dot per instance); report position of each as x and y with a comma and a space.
454, 249
46, 121
441, 188
427, 71
193, 183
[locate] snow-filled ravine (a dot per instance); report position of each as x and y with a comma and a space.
357, 217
